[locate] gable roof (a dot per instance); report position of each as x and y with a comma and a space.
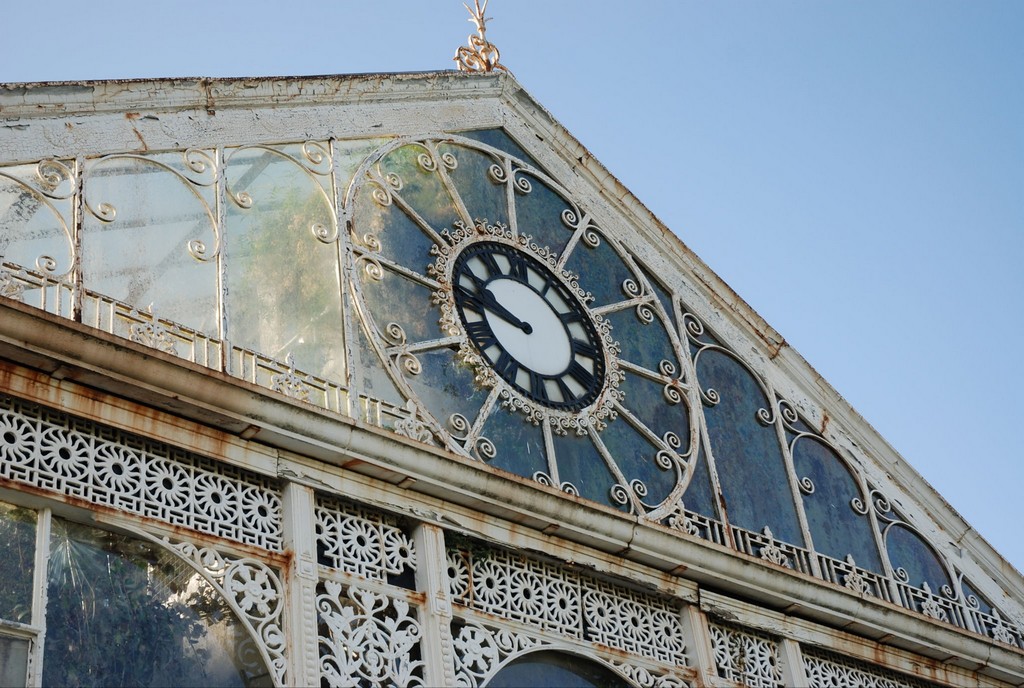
88, 123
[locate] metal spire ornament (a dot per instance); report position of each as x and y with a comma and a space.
481, 55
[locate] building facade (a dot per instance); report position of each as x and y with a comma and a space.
385, 381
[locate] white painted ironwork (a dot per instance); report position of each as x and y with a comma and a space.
254, 591
569, 603
367, 638
51, 451
748, 657
827, 670
361, 541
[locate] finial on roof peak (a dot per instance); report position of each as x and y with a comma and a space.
481, 55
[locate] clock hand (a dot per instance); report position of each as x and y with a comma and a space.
492, 304
488, 301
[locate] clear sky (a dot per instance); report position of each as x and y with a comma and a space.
854, 170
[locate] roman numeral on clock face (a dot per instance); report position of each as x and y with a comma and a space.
480, 332
580, 374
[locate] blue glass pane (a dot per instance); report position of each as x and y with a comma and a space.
580, 464
909, 552
645, 344
975, 599
539, 216
519, 444
634, 456
747, 454
421, 188
445, 387
124, 612
662, 293
502, 141
555, 670
601, 271
401, 239
699, 496
836, 528
396, 298
483, 197
646, 400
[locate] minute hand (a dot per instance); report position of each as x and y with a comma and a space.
487, 300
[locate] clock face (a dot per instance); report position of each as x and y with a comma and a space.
528, 326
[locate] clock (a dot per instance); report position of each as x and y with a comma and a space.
525, 328
528, 326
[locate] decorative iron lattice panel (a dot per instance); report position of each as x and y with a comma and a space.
745, 656
256, 593
480, 651
362, 541
552, 598
53, 451
367, 638
825, 670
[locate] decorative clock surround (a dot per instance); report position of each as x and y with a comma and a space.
558, 362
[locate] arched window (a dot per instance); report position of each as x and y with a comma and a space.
556, 670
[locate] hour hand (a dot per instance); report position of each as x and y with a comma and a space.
487, 302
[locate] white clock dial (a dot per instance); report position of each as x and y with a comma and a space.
546, 348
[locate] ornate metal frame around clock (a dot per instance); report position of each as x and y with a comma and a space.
561, 416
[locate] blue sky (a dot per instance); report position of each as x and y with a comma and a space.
854, 170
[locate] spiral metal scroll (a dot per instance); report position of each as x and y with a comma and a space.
51, 180
315, 161
204, 172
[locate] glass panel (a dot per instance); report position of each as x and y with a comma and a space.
539, 215
747, 454
634, 456
580, 464
502, 141
17, 562
909, 552
284, 294
34, 229
13, 661
645, 344
148, 252
376, 381
422, 189
663, 294
836, 528
483, 197
975, 599
350, 154
398, 299
646, 399
446, 387
401, 240
555, 670
602, 272
699, 496
519, 444
123, 612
